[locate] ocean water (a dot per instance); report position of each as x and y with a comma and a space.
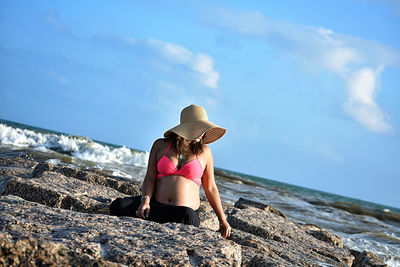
362, 225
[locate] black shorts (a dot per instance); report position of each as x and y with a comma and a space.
159, 212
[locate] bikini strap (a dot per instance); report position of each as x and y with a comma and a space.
167, 149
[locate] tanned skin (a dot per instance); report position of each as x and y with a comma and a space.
178, 190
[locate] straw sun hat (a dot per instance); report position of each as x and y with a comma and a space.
194, 122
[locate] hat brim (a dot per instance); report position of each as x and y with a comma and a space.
192, 130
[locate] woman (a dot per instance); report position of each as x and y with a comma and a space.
178, 165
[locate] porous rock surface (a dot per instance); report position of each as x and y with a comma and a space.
56, 190
123, 240
29, 251
284, 240
367, 259
56, 215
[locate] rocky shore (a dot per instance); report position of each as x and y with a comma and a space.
53, 215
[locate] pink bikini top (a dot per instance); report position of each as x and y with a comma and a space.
191, 170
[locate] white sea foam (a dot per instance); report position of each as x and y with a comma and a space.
19, 137
388, 252
79, 147
121, 174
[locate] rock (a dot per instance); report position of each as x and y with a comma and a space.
60, 218
41, 168
366, 259
32, 252
4, 179
208, 218
323, 235
56, 190
121, 240
126, 187
264, 261
285, 239
245, 203
253, 246
16, 167
315, 231
17, 162
14, 171
64, 187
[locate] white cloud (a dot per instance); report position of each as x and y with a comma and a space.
165, 57
247, 23
202, 64
173, 52
316, 48
338, 59
362, 86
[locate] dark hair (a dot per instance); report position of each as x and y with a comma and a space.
177, 141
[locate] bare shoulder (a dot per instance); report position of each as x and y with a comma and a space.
159, 144
206, 149
207, 152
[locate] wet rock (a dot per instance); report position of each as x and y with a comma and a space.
56, 190
121, 240
367, 259
286, 239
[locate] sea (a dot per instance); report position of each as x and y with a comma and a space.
362, 225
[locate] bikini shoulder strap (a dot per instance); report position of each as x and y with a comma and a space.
167, 149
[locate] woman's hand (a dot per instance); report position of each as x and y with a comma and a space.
143, 210
225, 229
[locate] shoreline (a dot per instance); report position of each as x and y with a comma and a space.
62, 212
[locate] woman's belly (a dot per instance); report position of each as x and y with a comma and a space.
178, 191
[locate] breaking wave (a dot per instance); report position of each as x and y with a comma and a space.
76, 146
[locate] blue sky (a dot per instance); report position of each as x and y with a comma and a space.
308, 90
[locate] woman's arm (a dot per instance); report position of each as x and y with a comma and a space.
211, 190
149, 182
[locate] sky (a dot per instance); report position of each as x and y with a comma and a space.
307, 90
